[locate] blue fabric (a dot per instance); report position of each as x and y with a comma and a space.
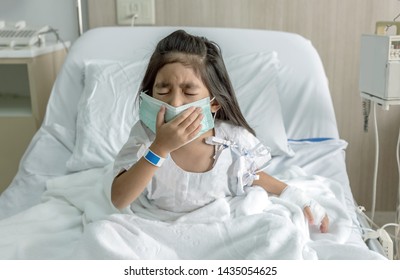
320, 139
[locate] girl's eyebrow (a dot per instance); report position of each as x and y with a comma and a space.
188, 85
162, 85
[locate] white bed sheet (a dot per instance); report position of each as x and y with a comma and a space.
89, 231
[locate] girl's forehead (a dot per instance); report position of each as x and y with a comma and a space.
178, 72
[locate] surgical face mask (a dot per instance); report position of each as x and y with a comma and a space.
149, 108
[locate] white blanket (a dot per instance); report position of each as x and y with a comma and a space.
77, 221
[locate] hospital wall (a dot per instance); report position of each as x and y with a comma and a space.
335, 28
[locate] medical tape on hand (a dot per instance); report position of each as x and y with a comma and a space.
295, 196
317, 211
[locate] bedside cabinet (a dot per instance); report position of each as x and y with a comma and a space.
26, 79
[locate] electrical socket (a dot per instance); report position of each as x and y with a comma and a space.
142, 10
384, 239
386, 243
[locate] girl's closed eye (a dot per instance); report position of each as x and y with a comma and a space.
191, 93
162, 90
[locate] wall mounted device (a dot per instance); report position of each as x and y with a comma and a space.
380, 67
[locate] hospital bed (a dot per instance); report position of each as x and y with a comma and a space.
282, 90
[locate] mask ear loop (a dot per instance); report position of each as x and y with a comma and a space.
215, 113
215, 116
140, 97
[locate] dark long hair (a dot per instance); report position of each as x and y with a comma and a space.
205, 58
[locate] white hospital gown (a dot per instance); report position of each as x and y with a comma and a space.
239, 155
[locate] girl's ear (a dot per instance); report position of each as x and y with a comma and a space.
215, 106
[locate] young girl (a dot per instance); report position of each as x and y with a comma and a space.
193, 145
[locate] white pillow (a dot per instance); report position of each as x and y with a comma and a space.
106, 112
254, 78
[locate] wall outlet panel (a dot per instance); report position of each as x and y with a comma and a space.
142, 10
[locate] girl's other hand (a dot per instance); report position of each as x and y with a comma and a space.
324, 226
